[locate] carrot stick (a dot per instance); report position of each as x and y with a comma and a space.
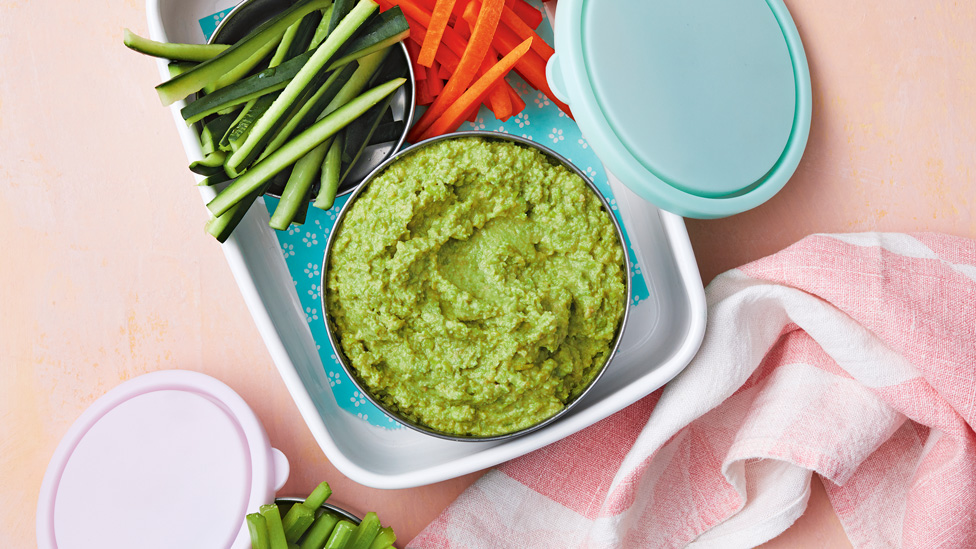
459, 8
476, 93
419, 72
527, 13
463, 29
531, 67
438, 22
434, 83
446, 70
467, 69
514, 22
517, 104
500, 102
470, 14
423, 92
519, 27
447, 58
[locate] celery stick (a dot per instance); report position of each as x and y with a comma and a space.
171, 51
319, 495
384, 539
364, 534
199, 76
318, 533
298, 186
257, 527
329, 183
297, 520
290, 152
297, 89
341, 535
314, 500
276, 533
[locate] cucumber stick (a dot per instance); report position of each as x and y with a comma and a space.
322, 30
329, 183
382, 31
297, 87
174, 52
281, 53
215, 130
210, 164
299, 184
353, 86
340, 9
309, 111
266, 81
244, 68
290, 152
212, 69
360, 132
242, 127
303, 37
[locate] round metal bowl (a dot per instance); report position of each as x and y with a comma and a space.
249, 14
333, 338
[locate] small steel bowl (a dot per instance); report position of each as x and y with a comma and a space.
334, 340
249, 14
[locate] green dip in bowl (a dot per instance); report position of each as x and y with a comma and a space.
476, 286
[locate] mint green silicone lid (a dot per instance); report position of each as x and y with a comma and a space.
702, 107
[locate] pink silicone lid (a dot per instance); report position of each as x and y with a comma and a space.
168, 459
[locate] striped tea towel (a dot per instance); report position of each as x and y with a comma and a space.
852, 356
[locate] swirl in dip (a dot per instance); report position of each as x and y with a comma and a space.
476, 287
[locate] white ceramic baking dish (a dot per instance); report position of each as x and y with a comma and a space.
662, 335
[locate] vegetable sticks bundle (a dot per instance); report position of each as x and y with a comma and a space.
316, 77
455, 44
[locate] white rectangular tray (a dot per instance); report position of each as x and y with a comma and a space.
663, 332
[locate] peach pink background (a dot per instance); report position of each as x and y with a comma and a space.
106, 272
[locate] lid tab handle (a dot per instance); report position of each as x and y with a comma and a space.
281, 468
557, 82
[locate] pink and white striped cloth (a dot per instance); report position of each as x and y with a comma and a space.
852, 356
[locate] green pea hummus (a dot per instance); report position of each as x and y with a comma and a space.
476, 287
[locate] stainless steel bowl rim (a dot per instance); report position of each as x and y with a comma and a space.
328, 506
411, 100
333, 339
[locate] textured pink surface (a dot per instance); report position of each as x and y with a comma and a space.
849, 356
107, 272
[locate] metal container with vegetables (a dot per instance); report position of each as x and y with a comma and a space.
468, 69
293, 83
